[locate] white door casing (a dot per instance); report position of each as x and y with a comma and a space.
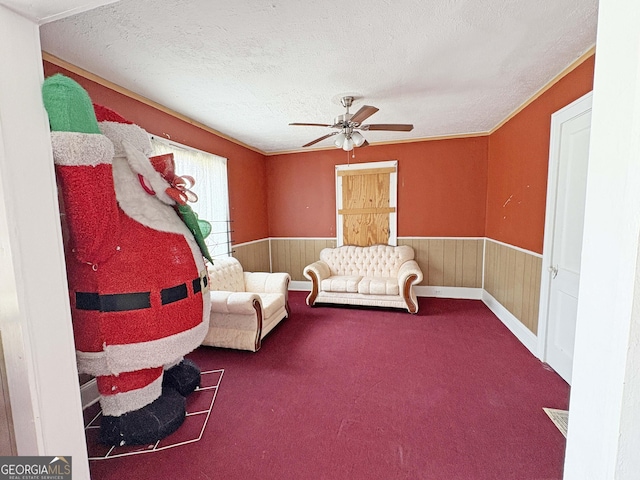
566, 191
393, 196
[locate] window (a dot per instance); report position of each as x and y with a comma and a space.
210, 174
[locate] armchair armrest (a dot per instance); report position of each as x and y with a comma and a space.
263, 282
234, 302
316, 272
409, 274
240, 303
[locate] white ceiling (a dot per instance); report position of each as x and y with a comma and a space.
43, 11
248, 68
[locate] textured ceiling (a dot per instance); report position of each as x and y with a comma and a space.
43, 11
249, 68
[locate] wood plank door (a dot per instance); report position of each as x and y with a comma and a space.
366, 203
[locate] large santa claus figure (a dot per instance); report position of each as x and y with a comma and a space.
137, 277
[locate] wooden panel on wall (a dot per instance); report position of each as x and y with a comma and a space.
292, 255
445, 262
254, 256
448, 262
512, 277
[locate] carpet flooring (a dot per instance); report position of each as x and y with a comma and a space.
345, 393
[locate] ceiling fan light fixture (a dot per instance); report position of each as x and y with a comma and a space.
347, 146
339, 140
357, 138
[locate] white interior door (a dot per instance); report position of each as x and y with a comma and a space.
569, 155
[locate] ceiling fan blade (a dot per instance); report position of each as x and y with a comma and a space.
361, 115
313, 142
311, 124
394, 127
365, 144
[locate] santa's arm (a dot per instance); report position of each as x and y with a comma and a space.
83, 159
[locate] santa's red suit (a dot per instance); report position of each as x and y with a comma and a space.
137, 278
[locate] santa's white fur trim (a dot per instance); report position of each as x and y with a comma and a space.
81, 149
121, 403
119, 132
138, 356
171, 365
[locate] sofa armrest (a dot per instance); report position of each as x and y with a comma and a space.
320, 270
316, 272
407, 269
234, 302
409, 275
263, 282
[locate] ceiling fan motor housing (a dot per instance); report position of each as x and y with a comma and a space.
342, 120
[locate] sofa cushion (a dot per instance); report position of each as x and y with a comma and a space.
379, 286
341, 283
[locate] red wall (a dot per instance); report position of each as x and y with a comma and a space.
441, 188
245, 168
518, 161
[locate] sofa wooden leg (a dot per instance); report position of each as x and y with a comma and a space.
406, 294
315, 282
258, 308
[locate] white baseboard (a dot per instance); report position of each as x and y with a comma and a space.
522, 333
449, 292
300, 286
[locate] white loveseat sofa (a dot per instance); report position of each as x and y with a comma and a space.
379, 275
245, 306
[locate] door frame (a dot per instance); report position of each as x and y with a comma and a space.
574, 109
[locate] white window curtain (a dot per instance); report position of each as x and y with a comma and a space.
210, 174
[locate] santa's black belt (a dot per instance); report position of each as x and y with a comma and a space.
121, 302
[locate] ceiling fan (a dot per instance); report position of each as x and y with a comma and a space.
348, 124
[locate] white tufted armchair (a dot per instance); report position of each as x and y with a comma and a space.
379, 275
245, 306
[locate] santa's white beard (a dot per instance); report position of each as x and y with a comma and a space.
139, 205
147, 209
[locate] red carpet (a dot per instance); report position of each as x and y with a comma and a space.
341, 393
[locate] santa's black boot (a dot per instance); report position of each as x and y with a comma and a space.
183, 377
147, 425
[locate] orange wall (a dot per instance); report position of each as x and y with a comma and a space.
518, 161
245, 168
441, 188
491, 186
